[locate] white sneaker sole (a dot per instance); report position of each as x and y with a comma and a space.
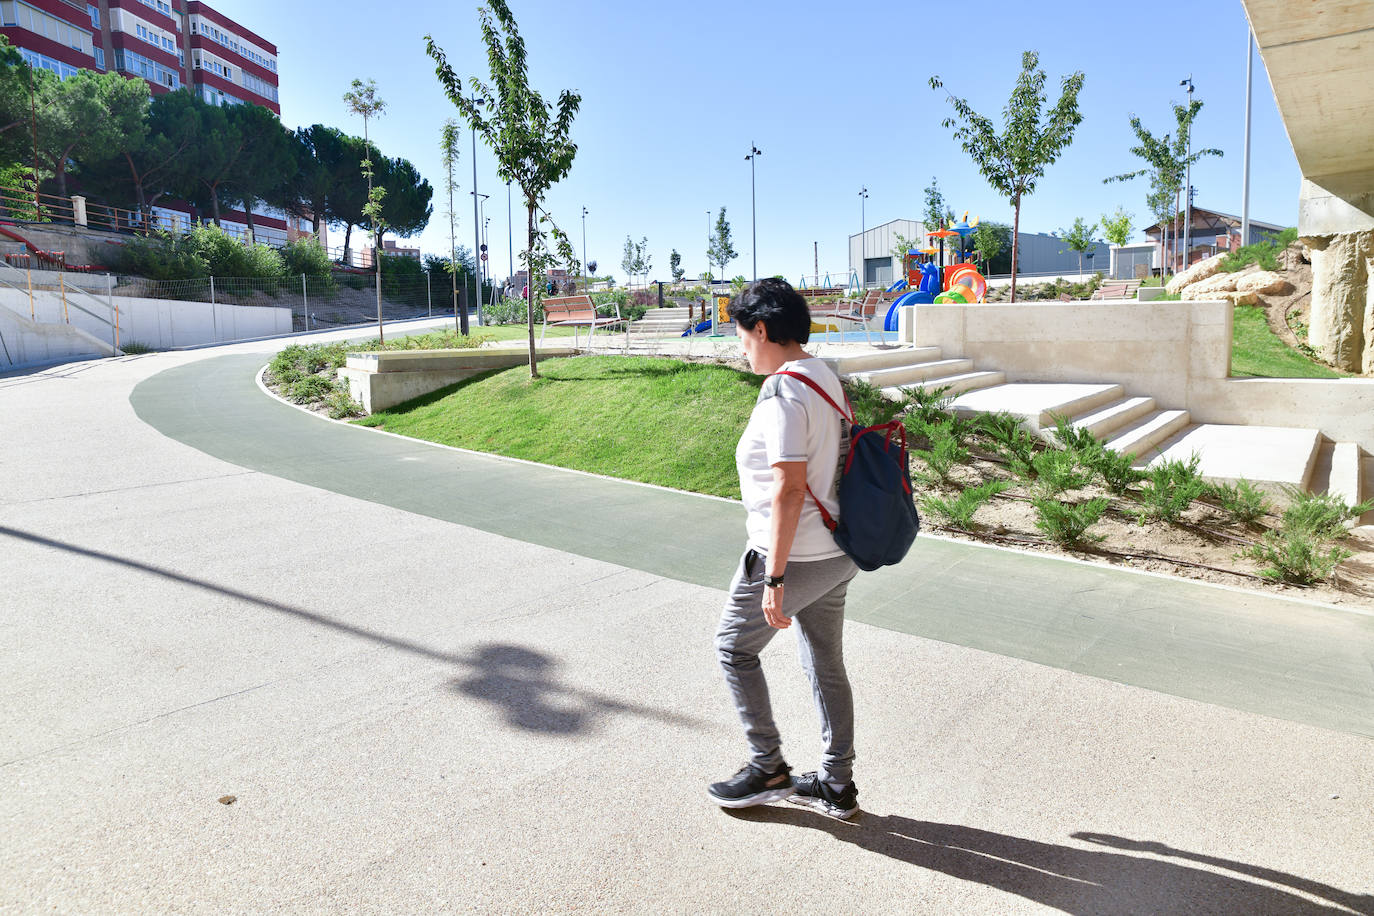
749, 801
822, 806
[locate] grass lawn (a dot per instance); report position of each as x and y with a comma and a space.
659, 421
1257, 352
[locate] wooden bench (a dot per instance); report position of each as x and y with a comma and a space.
578, 312
1116, 289
855, 311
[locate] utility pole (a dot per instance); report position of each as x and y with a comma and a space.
863, 240
1245, 168
585, 281
476, 224
1188, 181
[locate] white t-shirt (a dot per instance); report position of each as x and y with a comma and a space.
791, 422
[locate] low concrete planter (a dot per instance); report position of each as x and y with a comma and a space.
385, 379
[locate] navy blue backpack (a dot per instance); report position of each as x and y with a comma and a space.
878, 520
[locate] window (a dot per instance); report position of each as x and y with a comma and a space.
100, 58
95, 15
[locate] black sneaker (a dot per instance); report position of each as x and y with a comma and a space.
752, 786
811, 791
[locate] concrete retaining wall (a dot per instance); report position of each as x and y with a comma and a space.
157, 323
1179, 353
26, 343
382, 380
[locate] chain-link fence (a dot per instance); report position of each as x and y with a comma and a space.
341, 300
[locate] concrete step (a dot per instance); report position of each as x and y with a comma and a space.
1154, 428
1036, 403
898, 376
1268, 456
1344, 480
1107, 420
845, 366
1367, 487
957, 384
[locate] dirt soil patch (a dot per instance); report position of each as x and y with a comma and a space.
1204, 545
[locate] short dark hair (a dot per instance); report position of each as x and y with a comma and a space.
781, 308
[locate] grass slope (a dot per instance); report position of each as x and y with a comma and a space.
657, 421
1257, 352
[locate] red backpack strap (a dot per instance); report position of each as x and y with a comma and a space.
815, 386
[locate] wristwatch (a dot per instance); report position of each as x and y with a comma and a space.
773, 581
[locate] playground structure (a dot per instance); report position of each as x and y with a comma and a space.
926, 283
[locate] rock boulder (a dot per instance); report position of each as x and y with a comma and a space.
1199, 271
1210, 288
1341, 323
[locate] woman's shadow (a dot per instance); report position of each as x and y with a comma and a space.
1080, 880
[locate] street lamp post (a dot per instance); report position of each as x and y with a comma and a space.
585, 282
863, 239
476, 228
1245, 167
479, 209
1188, 181
754, 153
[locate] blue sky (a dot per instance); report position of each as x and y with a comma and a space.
835, 95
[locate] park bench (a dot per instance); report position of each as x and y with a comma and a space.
855, 311
578, 312
1116, 289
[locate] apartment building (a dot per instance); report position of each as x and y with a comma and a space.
171, 44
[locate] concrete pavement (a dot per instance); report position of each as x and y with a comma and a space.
435, 681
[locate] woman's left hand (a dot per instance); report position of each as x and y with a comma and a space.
772, 608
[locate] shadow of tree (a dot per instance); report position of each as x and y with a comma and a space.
1077, 880
520, 681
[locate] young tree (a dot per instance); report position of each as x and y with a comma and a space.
1117, 227
362, 100
721, 250
628, 263
644, 262
1166, 163
991, 239
1079, 238
934, 212
529, 139
675, 266
448, 149
1014, 160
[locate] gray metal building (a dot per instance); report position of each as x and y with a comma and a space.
1039, 254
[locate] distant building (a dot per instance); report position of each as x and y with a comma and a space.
1212, 232
1038, 253
389, 248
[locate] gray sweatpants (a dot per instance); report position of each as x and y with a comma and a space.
814, 599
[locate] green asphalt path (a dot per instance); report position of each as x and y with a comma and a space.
1245, 651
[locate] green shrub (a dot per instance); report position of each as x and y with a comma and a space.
307, 256
161, 256
1116, 470
1170, 488
1056, 472
341, 405
928, 404
1264, 253
1010, 440
940, 459
870, 407
507, 311
1296, 556
1323, 515
134, 348
310, 388
1242, 501
1067, 524
958, 511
